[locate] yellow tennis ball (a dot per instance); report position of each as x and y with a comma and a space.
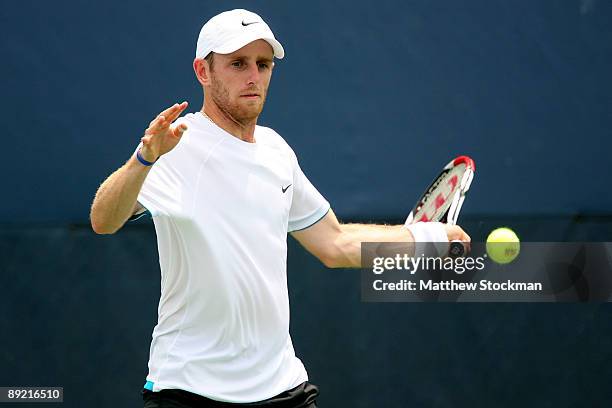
503, 245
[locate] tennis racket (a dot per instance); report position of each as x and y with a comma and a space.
443, 199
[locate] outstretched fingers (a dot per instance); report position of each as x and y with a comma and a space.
161, 127
179, 130
158, 124
173, 112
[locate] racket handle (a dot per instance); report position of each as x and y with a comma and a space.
456, 249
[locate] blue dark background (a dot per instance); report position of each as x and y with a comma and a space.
374, 97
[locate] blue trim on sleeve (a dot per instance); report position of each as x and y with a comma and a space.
312, 223
149, 385
139, 216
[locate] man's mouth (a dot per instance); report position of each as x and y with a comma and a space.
250, 95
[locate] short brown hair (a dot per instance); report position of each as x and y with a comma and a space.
210, 59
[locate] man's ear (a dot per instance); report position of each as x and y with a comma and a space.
202, 71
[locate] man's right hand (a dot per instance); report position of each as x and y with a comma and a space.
456, 233
161, 136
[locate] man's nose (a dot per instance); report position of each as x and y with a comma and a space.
253, 74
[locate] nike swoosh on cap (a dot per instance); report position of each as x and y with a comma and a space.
248, 24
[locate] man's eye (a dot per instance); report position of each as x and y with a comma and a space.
237, 64
263, 65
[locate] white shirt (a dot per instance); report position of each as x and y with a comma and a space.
222, 208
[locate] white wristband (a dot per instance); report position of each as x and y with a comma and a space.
427, 233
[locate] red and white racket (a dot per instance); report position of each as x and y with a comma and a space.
443, 199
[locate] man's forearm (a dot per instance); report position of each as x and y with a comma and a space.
116, 198
339, 245
352, 235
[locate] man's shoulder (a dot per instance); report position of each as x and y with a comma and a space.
273, 138
201, 131
195, 121
270, 133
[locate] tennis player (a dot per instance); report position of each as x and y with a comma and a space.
224, 193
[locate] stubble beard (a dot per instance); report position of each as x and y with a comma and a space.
239, 114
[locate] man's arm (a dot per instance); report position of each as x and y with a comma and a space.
116, 199
339, 245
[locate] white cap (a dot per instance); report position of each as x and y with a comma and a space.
232, 30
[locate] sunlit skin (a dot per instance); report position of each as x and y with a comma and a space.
236, 86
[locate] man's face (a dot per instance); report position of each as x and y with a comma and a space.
240, 80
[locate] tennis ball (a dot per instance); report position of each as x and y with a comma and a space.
503, 245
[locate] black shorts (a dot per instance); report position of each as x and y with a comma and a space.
302, 396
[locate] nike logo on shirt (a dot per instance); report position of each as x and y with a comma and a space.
285, 188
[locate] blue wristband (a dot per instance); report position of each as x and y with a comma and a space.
142, 159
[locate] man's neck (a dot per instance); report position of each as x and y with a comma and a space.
244, 132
